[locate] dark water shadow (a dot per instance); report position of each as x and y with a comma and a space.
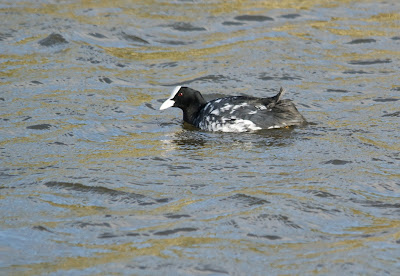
40, 127
370, 62
53, 40
205, 79
290, 16
211, 270
112, 195
243, 200
254, 18
174, 231
362, 41
269, 237
185, 27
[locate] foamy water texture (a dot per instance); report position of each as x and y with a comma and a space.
96, 180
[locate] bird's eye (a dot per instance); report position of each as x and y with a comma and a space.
180, 94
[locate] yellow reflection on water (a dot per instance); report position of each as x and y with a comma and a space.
119, 253
158, 53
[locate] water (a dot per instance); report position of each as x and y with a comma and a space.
95, 179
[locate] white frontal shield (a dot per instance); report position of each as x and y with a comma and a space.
169, 102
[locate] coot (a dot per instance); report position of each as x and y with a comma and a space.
234, 113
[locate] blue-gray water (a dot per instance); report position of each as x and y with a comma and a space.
96, 180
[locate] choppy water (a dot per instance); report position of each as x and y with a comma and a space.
95, 179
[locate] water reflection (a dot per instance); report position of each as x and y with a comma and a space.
190, 138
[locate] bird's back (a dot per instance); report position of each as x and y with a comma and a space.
242, 113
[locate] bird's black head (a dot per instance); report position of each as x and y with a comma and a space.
187, 99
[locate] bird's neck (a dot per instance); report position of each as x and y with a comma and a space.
191, 112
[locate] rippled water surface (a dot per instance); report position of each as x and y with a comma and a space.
96, 180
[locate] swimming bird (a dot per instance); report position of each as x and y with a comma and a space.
234, 113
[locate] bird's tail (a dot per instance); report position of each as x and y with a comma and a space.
278, 96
